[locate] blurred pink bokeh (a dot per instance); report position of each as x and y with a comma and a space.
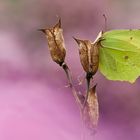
34, 103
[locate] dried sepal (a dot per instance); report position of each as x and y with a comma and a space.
94, 52
89, 55
84, 48
91, 110
56, 44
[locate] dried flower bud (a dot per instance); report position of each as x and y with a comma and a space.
56, 44
91, 110
89, 55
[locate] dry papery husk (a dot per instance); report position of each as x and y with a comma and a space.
91, 110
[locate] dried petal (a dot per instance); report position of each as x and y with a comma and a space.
56, 44
91, 110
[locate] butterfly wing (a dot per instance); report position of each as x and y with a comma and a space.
120, 55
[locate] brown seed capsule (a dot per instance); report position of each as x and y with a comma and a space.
89, 55
91, 110
56, 44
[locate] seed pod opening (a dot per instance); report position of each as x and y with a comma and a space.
56, 44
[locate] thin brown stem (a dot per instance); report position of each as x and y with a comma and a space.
88, 79
69, 77
78, 99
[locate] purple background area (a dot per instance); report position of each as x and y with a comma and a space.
34, 103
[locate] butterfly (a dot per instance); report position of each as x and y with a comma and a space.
119, 54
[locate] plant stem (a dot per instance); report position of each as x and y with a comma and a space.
69, 77
88, 79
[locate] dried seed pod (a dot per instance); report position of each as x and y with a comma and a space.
91, 110
89, 55
56, 44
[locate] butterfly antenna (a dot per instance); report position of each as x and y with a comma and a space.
105, 23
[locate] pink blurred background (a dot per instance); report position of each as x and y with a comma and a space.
34, 103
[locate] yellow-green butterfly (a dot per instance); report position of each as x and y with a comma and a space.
119, 54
